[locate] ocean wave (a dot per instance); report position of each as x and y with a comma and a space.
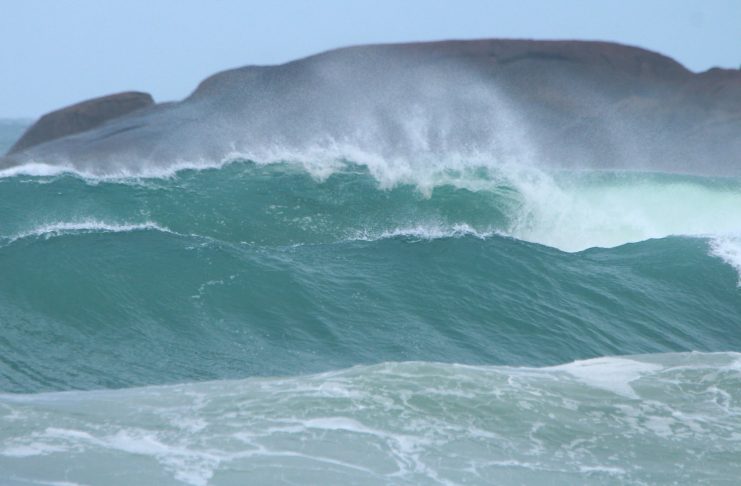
321, 197
726, 247
319, 161
626, 419
570, 211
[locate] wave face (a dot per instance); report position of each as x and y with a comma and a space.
670, 419
267, 270
438, 303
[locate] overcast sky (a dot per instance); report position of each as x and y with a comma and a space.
56, 52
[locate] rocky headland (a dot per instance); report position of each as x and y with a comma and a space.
571, 103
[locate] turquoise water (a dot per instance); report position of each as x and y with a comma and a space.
344, 322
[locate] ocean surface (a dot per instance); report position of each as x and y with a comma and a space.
325, 320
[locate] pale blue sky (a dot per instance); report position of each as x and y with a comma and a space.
56, 52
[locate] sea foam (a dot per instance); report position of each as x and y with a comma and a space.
728, 248
396, 423
60, 228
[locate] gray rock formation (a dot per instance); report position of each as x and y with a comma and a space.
81, 117
552, 103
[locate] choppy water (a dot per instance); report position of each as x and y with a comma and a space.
369, 322
670, 418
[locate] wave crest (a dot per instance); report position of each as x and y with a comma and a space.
327, 198
62, 228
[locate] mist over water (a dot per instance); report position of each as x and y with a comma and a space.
399, 109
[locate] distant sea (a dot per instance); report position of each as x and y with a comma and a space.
10, 130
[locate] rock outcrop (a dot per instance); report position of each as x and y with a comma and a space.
571, 104
81, 117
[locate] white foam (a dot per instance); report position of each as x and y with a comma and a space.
189, 466
395, 427
574, 214
116, 173
30, 450
602, 469
56, 483
728, 249
341, 423
51, 230
612, 374
35, 169
424, 232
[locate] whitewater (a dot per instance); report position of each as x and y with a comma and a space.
601, 421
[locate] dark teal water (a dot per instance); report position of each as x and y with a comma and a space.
262, 270
385, 284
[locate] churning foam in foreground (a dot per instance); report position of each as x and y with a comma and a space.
629, 420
